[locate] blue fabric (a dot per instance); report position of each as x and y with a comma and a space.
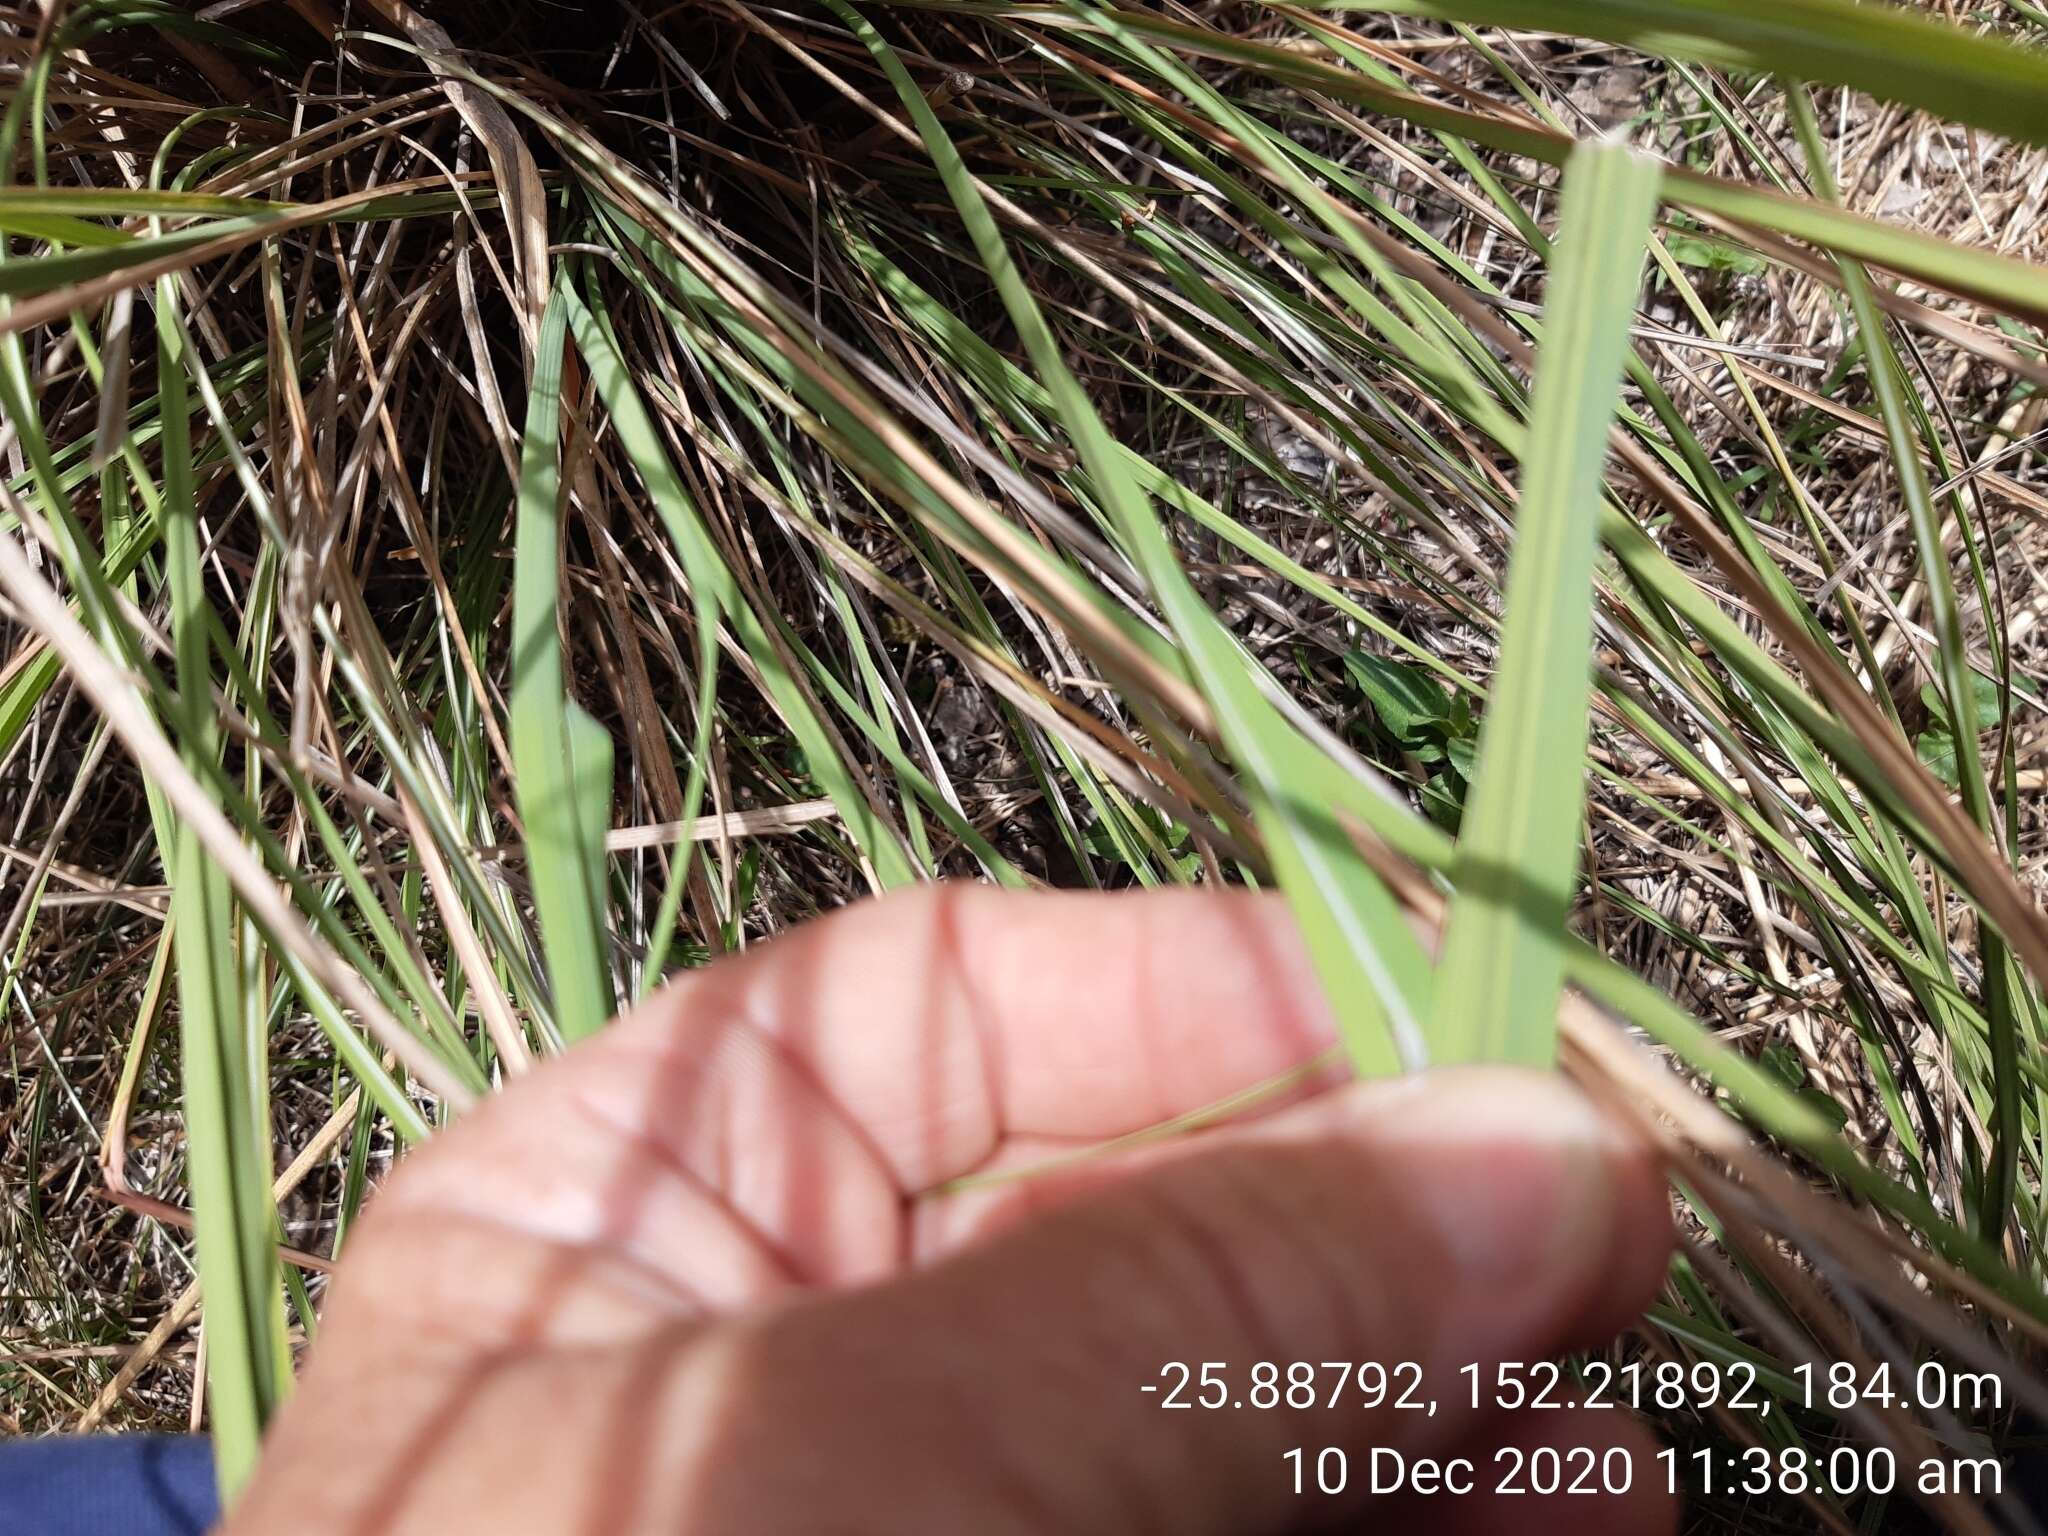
107, 1485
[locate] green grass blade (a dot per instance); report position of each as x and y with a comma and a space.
1986, 275
554, 748
1503, 956
2003, 988
129, 202
57, 228
248, 1362
45, 274
1891, 52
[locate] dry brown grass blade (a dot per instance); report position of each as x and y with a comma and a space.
1989, 879
809, 209
1881, 1424
1872, 430
113, 1158
512, 167
1972, 338
1644, 1090
1112, 649
763, 821
163, 1211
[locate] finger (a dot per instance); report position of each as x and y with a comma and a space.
1465, 1218
1032, 1179
944, 1019
1558, 1472
807, 1087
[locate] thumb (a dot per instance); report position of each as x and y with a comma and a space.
1412, 1228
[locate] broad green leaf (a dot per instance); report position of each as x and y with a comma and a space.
1405, 699
1984, 703
1937, 749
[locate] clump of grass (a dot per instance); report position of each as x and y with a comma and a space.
484, 527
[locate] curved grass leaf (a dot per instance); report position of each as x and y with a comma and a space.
1894, 53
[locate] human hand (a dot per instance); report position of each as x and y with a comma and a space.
704, 1274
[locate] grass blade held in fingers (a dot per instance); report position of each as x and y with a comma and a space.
1503, 955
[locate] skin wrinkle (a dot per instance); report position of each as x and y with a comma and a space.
617, 1236
1145, 1007
724, 1131
1036, 1505
657, 1150
596, 1255
692, 1399
932, 1019
1361, 1302
1252, 1214
1157, 998
744, 1037
778, 1056
1339, 1284
1342, 1285
1069, 1503
716, 1078
1187, 1214
1075, 1375
621, 1500
1116, 1491
624, 1197
1591, 1169
858, 1140
386, 1497
975, 1017
944, 1429
1176, 1272
464, 1394
1267, 1194
1275, 1005
756, 1014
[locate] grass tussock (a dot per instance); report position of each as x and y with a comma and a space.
502, 507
